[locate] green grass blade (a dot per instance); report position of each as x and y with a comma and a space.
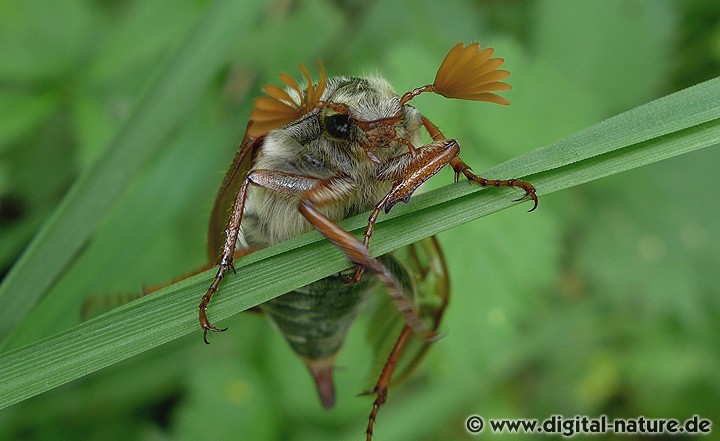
161, 110
689, 120
670, 114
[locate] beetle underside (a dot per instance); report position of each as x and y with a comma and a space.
314, 156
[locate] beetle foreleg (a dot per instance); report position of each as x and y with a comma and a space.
274, 180
226, 258
460, 167
409, 171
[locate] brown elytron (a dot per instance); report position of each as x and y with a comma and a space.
313, 156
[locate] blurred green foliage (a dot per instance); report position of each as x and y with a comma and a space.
602, 301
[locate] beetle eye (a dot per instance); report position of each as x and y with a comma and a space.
337, 125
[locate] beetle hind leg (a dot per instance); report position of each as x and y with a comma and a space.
380, 390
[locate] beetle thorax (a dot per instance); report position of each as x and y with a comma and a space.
381, 130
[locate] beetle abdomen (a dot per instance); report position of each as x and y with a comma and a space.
315, 318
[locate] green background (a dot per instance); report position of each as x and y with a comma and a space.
603, 301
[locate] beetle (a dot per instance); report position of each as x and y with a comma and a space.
314, 155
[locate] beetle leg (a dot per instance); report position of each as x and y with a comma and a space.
460, 167
282, 182
383, 383
328, 191
409, 171
359, 270
314, 192
226, 259
425, 259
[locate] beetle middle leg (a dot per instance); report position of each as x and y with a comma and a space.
333, 189
313, 193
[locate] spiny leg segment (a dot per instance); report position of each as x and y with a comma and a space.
313, 193
410, 173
